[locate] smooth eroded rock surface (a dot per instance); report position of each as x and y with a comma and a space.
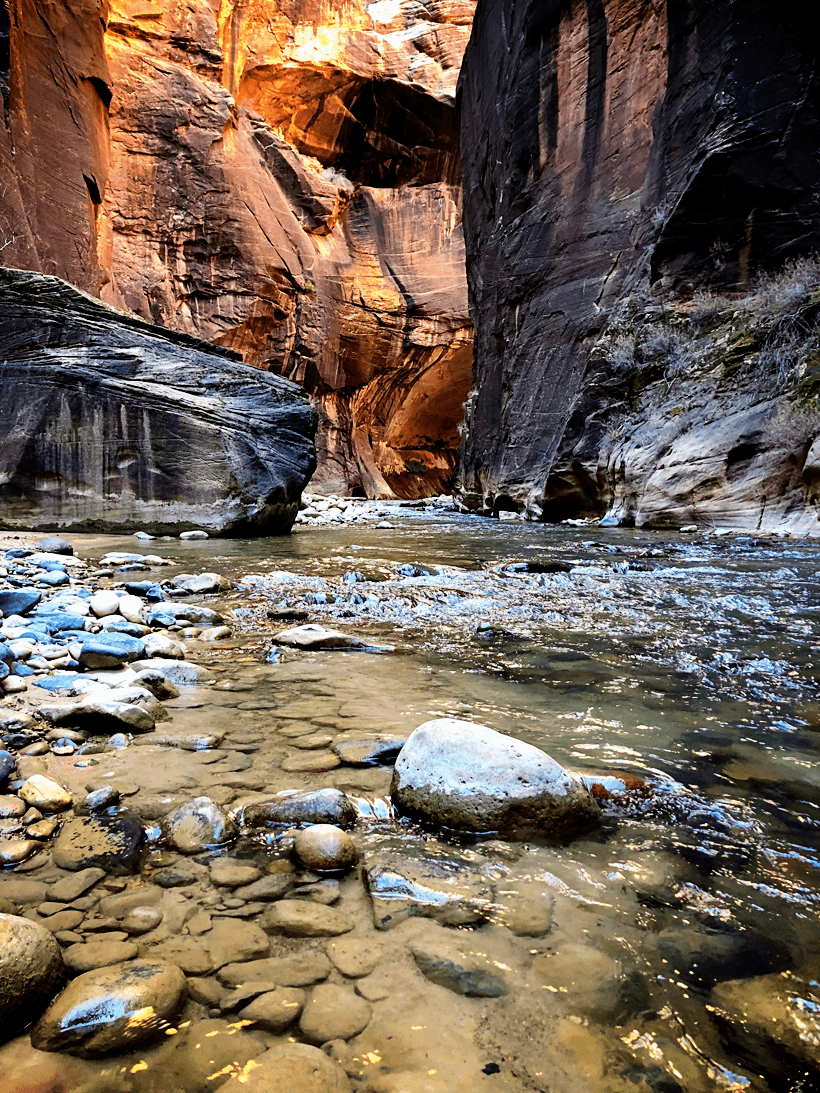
31, 971
112, 1009
163, 431
470, 778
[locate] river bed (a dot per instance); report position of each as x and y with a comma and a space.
688, 661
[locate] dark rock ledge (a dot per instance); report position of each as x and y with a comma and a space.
109, 423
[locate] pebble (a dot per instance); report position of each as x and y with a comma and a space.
142, 919
275, 1010
325, 848
227, 873
301, 918
45, 794
71, 887
77, 1024
333, 1012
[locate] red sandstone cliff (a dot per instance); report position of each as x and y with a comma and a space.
278, 178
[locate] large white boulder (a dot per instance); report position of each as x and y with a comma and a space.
467, 777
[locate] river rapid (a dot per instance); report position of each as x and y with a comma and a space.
674, 950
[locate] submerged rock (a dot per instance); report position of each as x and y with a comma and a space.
287, 1068
407, 881
333, 1012
111, 1009
460, 973
320, 806
314, 636
198, 825
325, 848
31, 971
112, 843
468, 777
299, 918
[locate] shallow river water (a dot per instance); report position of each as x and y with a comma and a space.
682, 945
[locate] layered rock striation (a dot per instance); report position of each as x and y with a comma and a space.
110, 423
278, 179
619, 155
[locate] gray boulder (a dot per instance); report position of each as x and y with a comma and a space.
470, 778
112, 843
104, 1011
317, 806
182, 432
31, 971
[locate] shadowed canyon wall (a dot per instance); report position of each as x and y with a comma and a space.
278, 178
614, 148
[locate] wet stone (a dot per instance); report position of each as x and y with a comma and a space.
202, 1054
268, 888
300, 918
368, 751
113, 843
275, 1010
311, 762
72, 887
448, 886
326, 892
45, 794
300, 970
13, 851
228, 873
461, 973
322, 806
333, 1012
31, 971
290, 1067
354, 956
468, 777
89, 955
76, 1022
187, 953
7, 764
236, 942
11, 807
179, 875
141, 920
198, 825
64, 920
325, 848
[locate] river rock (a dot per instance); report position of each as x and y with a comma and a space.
88, 955
310, 762
320, 806
131, 608
354, 956
198, 825
233, 942
771, 1016
45, 794
31, 971
112, 843
19, 602
467, 777
159, 645
333, 1012
16, 850
67, 889
166, 613
287, 1068
203, 1053
11, 808
461, 973
105, 602
53, 544
155, 682
200, 582
299, 970
303, 918
7, 765
110, 649
180, 674
314, 636
325, 848
229, 873
369, 751
268, 888
405, 881
105, 1011
275, 1010
104, 713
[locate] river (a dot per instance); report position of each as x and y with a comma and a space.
688, 661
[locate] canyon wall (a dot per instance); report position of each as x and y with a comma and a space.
621, 158
280, 179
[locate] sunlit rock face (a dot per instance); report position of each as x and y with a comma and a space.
279, 178
610, 146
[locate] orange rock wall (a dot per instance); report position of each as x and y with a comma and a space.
280, 178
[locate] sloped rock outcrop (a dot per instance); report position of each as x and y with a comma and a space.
279, 179
610, 149
110, 423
